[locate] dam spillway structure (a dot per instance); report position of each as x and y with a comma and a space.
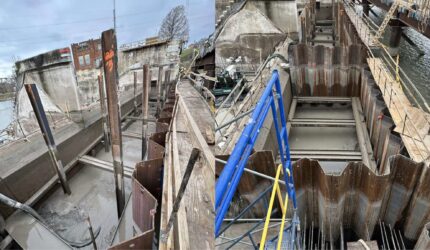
357, 129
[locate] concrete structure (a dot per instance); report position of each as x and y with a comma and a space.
154, 53
360, 149
54, 73
248, 33
87, 57
282, 13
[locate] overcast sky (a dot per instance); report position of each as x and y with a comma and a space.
31, 27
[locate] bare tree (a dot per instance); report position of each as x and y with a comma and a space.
175, 25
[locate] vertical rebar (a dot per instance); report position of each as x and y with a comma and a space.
109, 49
396, 240
90, 229
382, 235
304, 235
401, 239
145, 100
37, 105
341, 236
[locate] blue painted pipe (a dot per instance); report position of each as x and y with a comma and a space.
235, 156
230, 176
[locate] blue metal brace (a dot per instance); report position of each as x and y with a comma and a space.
230, 176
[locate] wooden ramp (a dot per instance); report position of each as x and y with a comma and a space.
412, 124
191, 127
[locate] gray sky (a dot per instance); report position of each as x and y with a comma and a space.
31, 27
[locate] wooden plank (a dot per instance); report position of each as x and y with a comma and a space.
199, 139
181, 223
413, 130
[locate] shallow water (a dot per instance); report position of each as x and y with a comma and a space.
6, 113
416, 67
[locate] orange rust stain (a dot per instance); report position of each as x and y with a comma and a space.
108, 59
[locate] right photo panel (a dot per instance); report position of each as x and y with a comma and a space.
322, 124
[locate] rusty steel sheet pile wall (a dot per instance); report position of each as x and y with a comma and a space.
385, 142
396, 193
323, 71
356, 198
147, 184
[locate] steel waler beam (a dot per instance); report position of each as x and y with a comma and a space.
159, 83
145, 100
110, 59
103, 112
36, 103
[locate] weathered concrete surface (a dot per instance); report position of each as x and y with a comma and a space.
54, 73
161, 53
93, 194
88, 86
282, 13
248, 34
25, 166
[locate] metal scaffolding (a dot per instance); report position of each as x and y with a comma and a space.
229, 178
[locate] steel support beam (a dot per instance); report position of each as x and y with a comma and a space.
36, 103
159, 83
103, 113
145, 100
110, 59
104, 165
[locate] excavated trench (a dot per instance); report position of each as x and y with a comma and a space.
354, 179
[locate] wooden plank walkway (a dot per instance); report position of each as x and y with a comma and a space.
363, 30
412, 124
191, 127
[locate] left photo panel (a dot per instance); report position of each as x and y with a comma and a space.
107, 128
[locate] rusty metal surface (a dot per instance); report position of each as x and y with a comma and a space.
357, 197
155, 150
323, 71
110, 61
161, 127
159, 137
39, 112
145, 108
144, 206
142, 241
150, 173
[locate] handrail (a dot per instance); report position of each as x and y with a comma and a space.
230, 176
408, 126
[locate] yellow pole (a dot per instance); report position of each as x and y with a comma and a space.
269, 211
284, 213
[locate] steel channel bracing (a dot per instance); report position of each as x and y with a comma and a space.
36, 103
229, 178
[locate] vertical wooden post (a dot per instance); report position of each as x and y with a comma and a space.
103, 112
36, 103
145, 100
159, 83
109, 50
